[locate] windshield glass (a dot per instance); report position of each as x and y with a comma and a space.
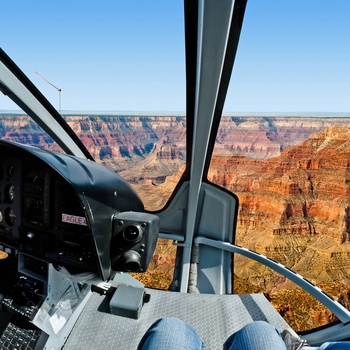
283, 149
116, 72
17, 126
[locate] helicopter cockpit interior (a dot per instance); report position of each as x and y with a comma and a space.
71, 230
68, 227
63, 217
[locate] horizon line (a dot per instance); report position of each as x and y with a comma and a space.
183, 113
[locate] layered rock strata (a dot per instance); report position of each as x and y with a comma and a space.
295, 208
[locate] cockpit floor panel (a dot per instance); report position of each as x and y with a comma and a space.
215, 317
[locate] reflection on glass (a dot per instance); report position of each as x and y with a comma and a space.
33, 209
10, 216
10, 193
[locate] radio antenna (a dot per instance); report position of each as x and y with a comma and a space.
58, 89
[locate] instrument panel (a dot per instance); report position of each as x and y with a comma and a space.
42, 216
60, 208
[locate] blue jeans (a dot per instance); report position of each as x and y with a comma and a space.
258, 335
170, 334
174, 334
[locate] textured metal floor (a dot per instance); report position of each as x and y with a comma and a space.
215, 317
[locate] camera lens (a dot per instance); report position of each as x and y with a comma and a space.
132, 233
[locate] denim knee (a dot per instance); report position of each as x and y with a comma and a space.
171, 334
256, 335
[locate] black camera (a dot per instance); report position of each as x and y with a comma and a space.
134, 239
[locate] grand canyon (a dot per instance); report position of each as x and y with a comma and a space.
290, 174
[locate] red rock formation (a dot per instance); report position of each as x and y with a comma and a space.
135, 136
296, 202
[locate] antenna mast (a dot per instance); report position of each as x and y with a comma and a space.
58, 89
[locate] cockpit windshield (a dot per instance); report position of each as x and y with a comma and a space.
282, 147
115, 72
123, 97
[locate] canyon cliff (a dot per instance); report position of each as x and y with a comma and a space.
127, 140
294, 208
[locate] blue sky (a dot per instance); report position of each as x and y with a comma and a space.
294, 55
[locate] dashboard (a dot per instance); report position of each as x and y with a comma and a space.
42, 216
59, 208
